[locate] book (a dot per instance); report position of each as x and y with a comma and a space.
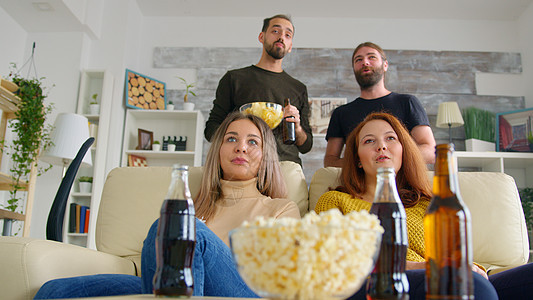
72, 218
83, 211
87, 214
78, 213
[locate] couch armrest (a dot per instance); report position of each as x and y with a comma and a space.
28, 263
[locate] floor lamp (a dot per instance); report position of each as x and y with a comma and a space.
449, 116
69, 133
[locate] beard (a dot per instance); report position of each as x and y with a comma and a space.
275, 52
369, 79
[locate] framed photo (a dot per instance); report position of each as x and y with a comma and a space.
515, 131
136, 161
143, 92
146, 139
321, 109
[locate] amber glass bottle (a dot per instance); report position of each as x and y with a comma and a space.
447, 234
176, 239
388, 279
289, 133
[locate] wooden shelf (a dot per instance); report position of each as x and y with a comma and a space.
6, 181
8, 101
9, 215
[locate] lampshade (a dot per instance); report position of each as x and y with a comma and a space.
69, 133
449, 115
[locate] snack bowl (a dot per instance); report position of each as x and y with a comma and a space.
299, 259
271, 113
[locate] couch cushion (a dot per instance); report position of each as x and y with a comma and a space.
132, 197
498, 224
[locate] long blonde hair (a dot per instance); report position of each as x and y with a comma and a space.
412, 179
269, 177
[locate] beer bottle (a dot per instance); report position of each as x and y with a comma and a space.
289, 133
447, 234
388, 279
176, 238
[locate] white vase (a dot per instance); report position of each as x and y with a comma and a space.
156, 147
171, 147
188, 106
85, 187
94, 109
170, 106
476, 145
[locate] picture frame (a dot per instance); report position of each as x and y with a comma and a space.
515, 131
320, 113
137, 161
144, 92
145, 139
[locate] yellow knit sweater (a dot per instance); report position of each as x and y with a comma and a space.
415, 218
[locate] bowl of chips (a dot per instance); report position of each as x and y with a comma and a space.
271, 113
326, 256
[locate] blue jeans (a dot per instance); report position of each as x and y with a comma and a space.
214, 273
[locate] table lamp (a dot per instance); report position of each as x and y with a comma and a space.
449, 116
69, 133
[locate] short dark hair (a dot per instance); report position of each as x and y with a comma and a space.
266, 22
370, 45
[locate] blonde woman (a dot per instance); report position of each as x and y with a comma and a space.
242, 180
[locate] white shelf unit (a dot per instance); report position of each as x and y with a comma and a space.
164, 123
101, 83
517, 164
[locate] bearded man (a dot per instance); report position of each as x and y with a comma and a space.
369, 66
267, 82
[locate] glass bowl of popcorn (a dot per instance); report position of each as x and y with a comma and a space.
271, 113
326, 256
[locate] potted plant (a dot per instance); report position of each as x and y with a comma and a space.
94, 107
170, 105
480, 129
156, 146
186, 104
30, 136
85, 183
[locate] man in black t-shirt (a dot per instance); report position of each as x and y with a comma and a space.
369, 65
267, 82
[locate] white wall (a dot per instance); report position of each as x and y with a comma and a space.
526, 48
127, 40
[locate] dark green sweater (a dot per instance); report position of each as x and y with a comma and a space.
253, 84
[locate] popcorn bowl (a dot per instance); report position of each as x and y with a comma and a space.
271, 113
298, 260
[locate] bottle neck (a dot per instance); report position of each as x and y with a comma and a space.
445, 180
179, 185
386, 190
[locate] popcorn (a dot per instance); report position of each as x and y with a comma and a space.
270, 114
318, 257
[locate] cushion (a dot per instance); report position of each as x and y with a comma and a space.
499, 233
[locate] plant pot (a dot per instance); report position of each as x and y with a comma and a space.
171, 147
86, 187
94, 109
170, 107
476, 145
188, 106
156, 147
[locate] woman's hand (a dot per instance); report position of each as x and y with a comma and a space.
415, 265
480, 271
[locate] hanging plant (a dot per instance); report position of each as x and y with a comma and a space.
31, 135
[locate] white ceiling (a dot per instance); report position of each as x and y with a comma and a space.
61, 19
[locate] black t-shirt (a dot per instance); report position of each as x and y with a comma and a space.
253, 84
407, 108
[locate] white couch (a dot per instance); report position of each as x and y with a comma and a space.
132, 197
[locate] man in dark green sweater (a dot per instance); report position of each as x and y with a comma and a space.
267, 82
